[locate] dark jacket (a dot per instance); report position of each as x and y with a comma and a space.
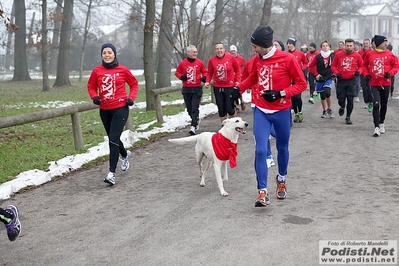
324, 71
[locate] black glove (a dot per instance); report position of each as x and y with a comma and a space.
129, 102
356, 73
271, 95
387, 75
183, 77
203, 79
235, 93
338, 75
367, 78
96, 100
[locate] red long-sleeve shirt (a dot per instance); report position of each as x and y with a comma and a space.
275, 73
224, 70
241, 62
310, 56
376, 64
109, 84
301, 58
194, 70
346, 64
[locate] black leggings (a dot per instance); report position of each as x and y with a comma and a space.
312, 84
297, 103
380, 103
192, 99
223, 101
114, 121
346, 90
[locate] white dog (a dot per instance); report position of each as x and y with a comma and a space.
219, 148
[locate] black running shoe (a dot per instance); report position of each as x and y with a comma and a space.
13, 227
341, 111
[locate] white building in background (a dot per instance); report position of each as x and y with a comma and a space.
370, 20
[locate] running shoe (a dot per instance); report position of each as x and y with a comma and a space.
376, 132
296, 118
330, 113
370, 107
270, 161
341, 111
357, 100
263, 199
300, 117
311, 100
14, 226
192, 131
281, 191
382, 128
125, 161
324, 114
348, 121
110, 178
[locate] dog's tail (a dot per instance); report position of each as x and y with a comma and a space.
181, 141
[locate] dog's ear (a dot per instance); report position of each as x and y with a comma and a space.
224, 122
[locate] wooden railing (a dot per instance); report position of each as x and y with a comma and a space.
52, 113
156, 93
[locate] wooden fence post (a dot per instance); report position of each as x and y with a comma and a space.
129, 124
158, 108
77, 130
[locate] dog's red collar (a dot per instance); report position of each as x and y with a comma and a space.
224, 149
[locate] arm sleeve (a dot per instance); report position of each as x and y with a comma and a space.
92, 85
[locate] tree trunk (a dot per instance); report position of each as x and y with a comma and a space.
30, 33
9, 40
218, 22
82, 56
46, 86
62, 78
165, 43
267, 12
148, 52
56, 37
193, 26
21, 72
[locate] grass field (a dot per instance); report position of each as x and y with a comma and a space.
33, 145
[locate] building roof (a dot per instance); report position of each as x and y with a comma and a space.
371, 10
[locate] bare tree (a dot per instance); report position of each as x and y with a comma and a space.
46, 86
267, 12
57, 19
20, 59
62, 78
148, 52
217, 30
9, 39
165, 45
86, 31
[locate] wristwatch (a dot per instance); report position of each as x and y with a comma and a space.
282, 93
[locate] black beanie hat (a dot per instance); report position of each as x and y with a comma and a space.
313, 45
263, 36
110, 45
291, 40
281, 44
378, 39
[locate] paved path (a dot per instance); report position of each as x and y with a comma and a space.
343, 184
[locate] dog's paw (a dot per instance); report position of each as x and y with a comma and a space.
202, 184
224, 193
225, 178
